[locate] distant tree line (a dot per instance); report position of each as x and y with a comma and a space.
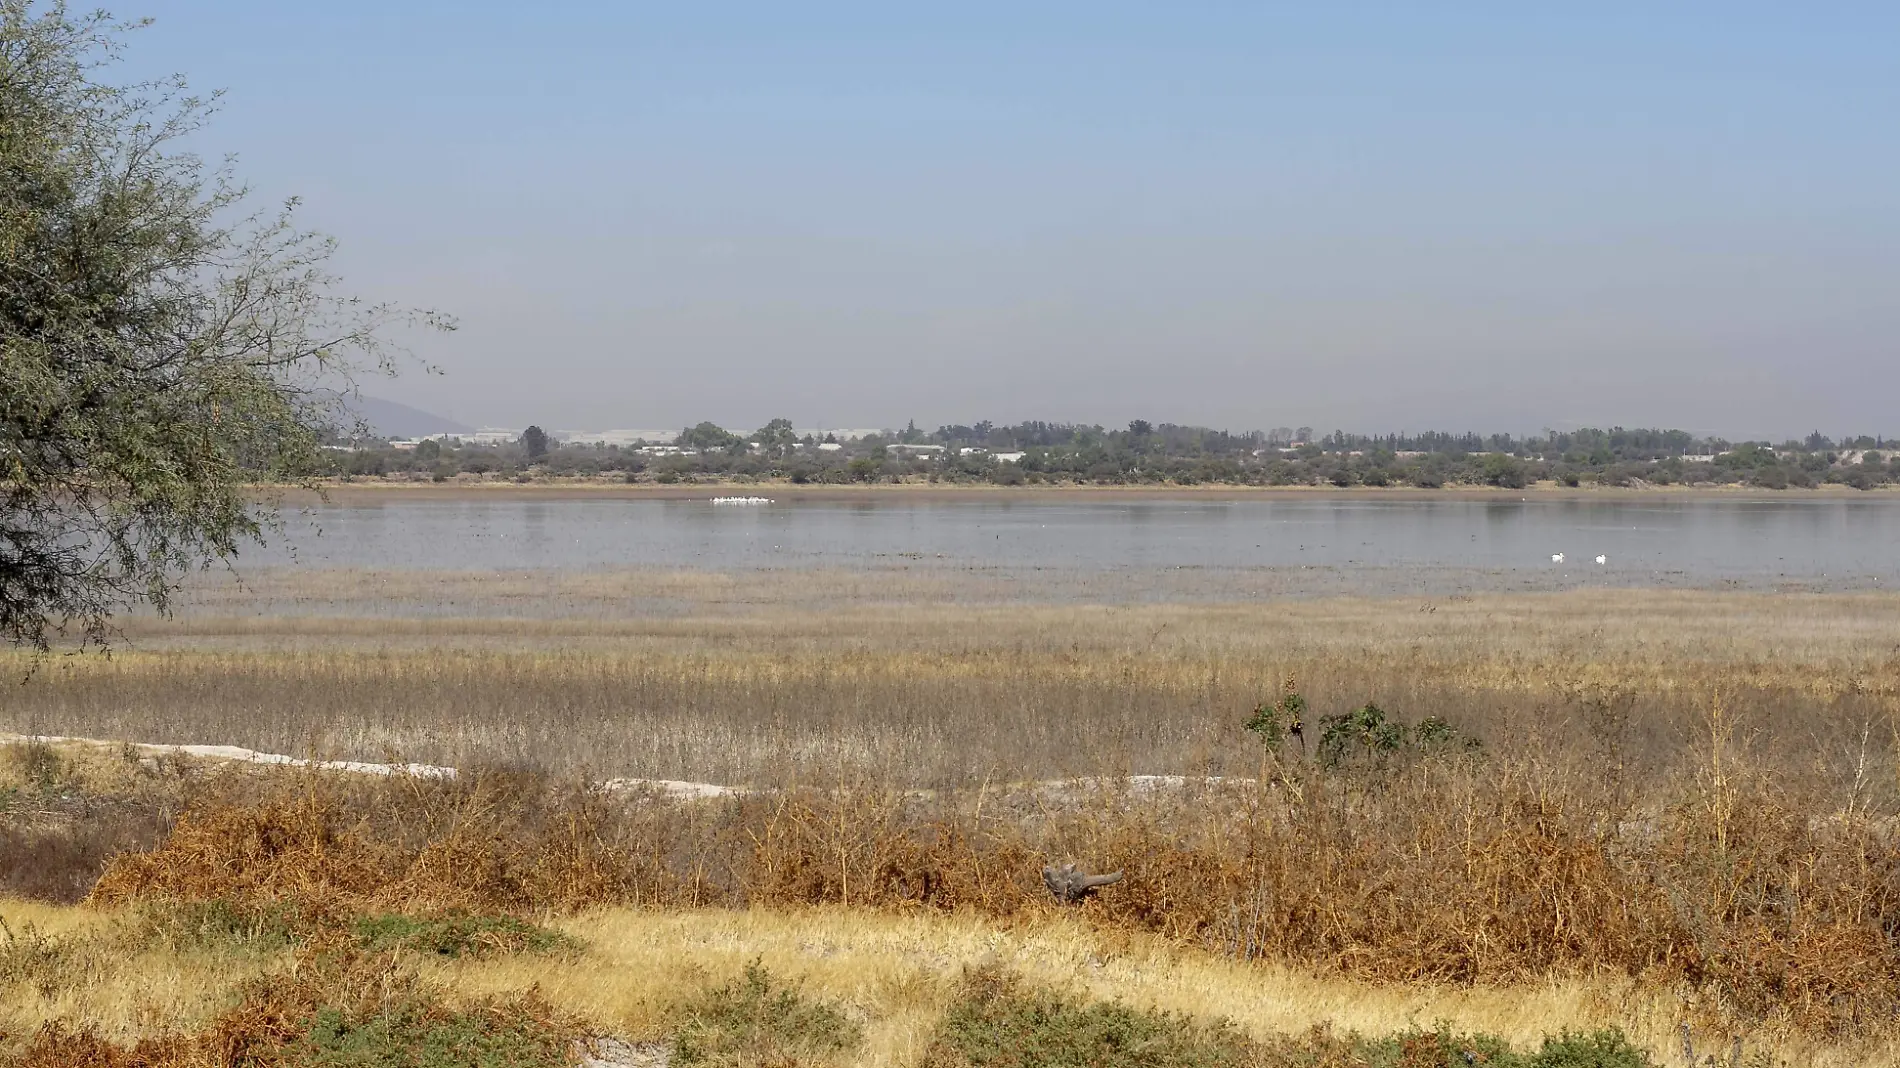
1144, 453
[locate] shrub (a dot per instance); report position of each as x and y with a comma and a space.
1439, 1048
998, 1023
1272, 723
1365, 731
455, 935
219, 923
755, 1020
1595, 1049
422, 1034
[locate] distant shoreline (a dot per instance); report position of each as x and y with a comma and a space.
579, 490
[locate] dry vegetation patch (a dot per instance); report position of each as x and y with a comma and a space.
1450, 869
1686, 805
942, 694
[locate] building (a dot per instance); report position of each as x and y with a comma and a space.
623, 438
841, 435
487, 435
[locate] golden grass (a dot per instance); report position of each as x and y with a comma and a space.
896, 974
73, 964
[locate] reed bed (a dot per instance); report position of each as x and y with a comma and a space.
1695, 794
943, 695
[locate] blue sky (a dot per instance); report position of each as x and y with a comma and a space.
1371, 216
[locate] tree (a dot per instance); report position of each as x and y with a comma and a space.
776, 437
706, 437
535, 441
162, 348
1503, 469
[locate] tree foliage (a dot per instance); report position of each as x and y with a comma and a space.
708, 436
534, 441
162, 345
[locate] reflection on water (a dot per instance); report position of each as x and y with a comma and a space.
1834, 543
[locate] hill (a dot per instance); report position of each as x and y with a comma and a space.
392, 420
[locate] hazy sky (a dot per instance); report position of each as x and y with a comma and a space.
1368, 216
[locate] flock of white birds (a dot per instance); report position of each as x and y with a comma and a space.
1558, 558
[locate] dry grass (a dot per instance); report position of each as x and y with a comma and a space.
895, 974
1686, 807
1455, 869
946, 694
329, 1006
82, 966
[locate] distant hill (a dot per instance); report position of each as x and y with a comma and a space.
391, 420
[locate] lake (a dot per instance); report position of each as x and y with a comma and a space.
1391, 546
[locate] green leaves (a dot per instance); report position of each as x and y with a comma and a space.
1365, 731
1368, 734
160, 351
1273, 723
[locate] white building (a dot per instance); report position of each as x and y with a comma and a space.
487, 435
623, 438
841, 435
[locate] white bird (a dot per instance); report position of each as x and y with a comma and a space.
1603, 559
1556, 558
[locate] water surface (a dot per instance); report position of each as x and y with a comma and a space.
1837, 543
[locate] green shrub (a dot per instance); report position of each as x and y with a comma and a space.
455, 935
419, 1034
221, 924
1363, 732
756, 1021
997, 1023
1594, 1049
1370, 734
1274, 722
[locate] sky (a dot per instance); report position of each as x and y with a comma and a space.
1374, 217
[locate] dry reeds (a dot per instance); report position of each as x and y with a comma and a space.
955, 695
1452, 871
